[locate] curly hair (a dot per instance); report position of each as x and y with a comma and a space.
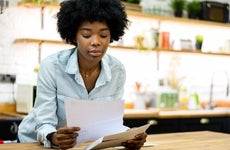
74, 12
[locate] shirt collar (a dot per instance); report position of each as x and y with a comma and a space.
72, 66
106, 72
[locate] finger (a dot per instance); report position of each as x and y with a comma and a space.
61, 136
141, 136
134, 144
69, 143
66, 141
68, 130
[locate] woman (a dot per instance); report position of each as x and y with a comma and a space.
84, 72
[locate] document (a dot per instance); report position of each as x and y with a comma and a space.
116, 139
96, 118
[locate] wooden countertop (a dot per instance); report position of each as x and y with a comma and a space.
174, 141
6, 107
157, 113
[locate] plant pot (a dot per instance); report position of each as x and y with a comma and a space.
178, 13
198, 46
193, 15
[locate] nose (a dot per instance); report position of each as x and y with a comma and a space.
96, 41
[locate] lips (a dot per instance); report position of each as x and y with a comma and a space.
95, 53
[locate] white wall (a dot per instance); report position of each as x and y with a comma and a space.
21, 58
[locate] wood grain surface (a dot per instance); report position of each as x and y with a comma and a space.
202, 140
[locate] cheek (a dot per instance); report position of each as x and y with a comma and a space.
82, 42
106, 41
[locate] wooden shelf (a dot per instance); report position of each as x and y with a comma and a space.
179, 20
135, 10
33, 5
191, 52
31, 40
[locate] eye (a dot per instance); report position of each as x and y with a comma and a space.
86, 36
104, 35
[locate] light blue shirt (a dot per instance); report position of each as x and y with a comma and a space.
58, 79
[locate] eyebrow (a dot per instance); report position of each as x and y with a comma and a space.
103, 29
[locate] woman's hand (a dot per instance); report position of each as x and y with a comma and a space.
65, 137
137, 143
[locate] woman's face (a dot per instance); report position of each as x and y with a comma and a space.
93, 40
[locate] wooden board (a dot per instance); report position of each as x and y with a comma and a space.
202, 140
4, 107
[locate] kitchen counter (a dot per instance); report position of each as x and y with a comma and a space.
174, 141
5, 107
222, 111
157, 113
9, 125
168, 121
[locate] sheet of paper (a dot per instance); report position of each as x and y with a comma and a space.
116, 139
96, 118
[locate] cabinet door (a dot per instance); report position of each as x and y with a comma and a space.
228, 125
9, 128
198, 124
157, 125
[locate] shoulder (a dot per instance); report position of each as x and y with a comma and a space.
113, 62
60, 57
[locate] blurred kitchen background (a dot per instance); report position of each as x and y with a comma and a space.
28, 34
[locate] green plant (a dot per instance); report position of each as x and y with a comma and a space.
178, 5
193, 6
133, 1
199, 41
199, 38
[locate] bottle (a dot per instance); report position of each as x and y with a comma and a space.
193, 102
183, 98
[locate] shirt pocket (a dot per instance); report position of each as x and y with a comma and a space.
61, 98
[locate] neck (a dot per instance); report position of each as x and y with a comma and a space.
88, 72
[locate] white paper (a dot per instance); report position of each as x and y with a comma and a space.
116, 139
96, 118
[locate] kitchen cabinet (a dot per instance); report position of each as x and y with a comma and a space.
157, 125
9, 128
228, 125
179, 121
9, 122
219, 124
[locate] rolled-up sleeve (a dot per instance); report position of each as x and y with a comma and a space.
46, 104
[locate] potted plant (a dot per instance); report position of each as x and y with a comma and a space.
178, 6
133, 1
199, 41
132, 5
193, 9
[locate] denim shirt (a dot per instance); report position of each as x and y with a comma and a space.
59, 79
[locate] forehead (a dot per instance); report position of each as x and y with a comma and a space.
97, 25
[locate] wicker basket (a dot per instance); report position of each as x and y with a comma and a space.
132, 7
